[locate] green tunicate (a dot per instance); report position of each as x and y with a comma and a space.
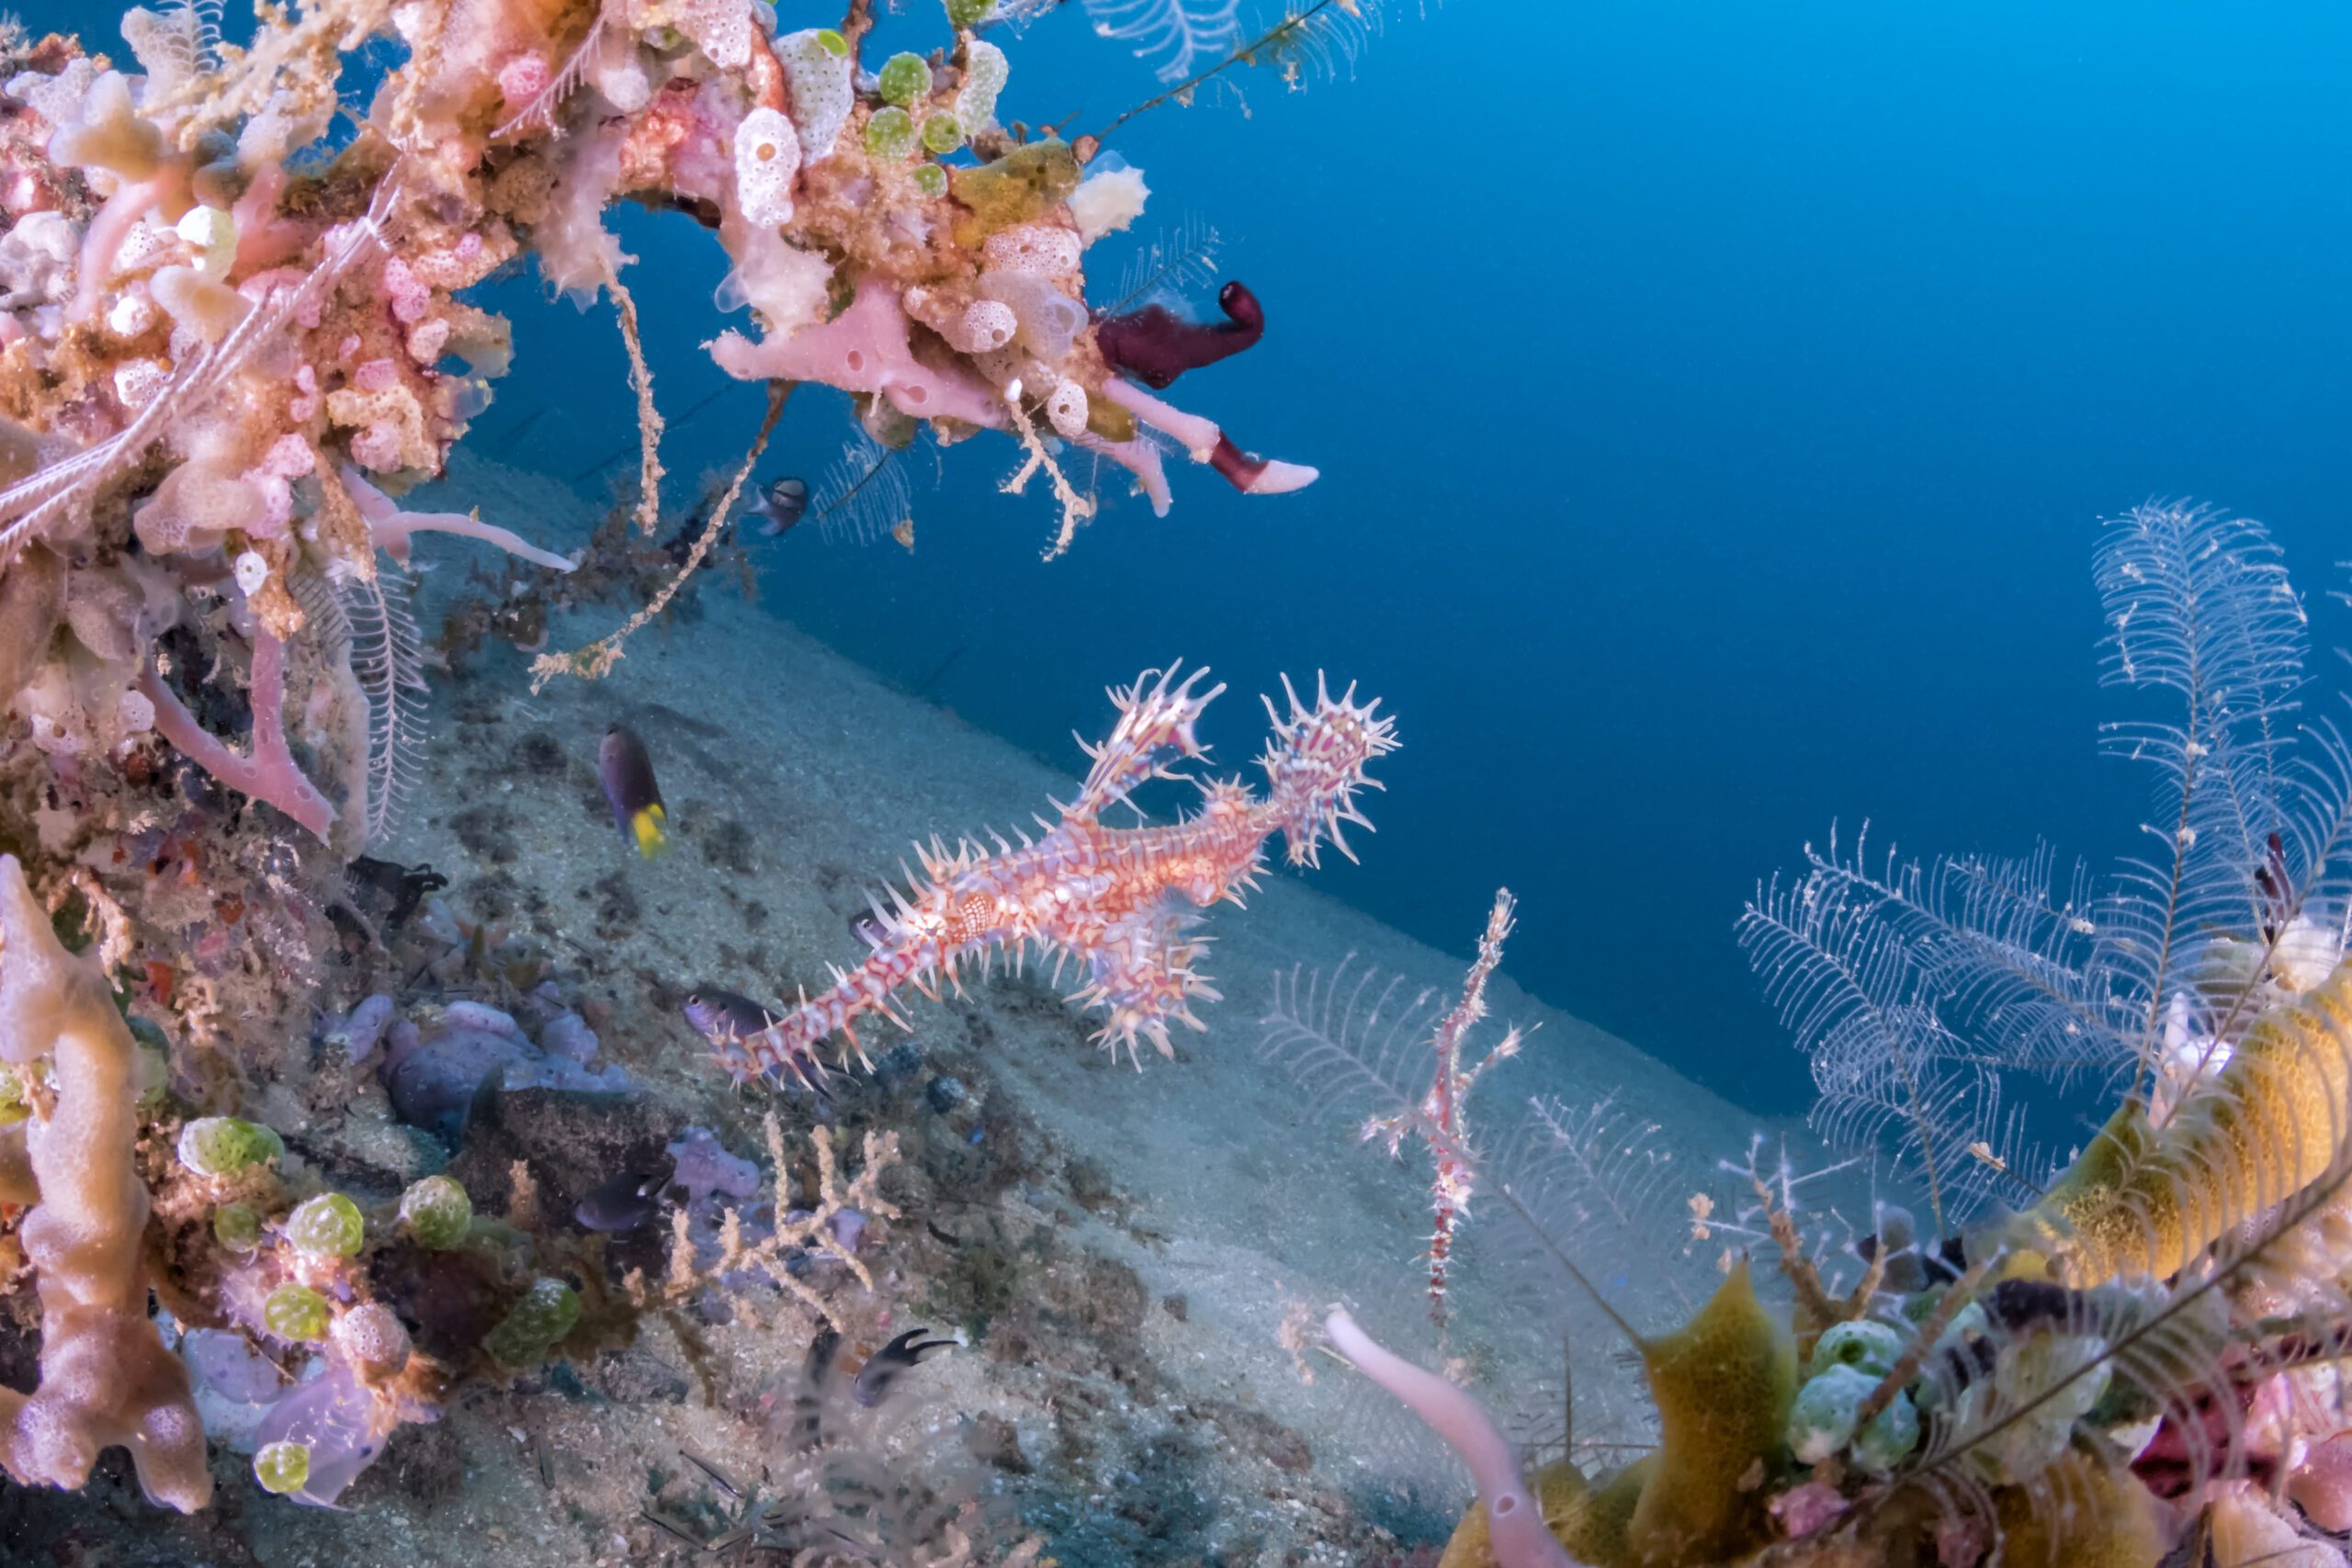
1867, 1347
223, 1146
891, 134
968, 13
905, 78
1892, 1433
295, 1312
832, 43
931, 180
438, 1212
283, 1467
1822, 1420
547, 1312
942, 134
236, 1226
13, 1108
327, 1226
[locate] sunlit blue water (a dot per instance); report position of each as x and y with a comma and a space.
1714, 403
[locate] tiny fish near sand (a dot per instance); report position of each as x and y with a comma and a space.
626, 772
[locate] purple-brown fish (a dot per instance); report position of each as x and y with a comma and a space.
626, 772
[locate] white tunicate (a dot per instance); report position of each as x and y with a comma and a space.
134, 713
1043, 248
213, 234
1065, 411
822, 91
131, 314
252, 570
985, 326
621, 78
137, 382
1050, 319
767, 158
985, 73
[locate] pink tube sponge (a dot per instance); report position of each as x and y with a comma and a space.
1516, 1531
269, 773
864, 349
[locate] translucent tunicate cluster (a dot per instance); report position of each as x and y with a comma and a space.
815, 61
1850, 1360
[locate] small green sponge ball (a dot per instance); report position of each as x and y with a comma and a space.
1867, 1346
438, 1212
942, 134
890, 133
968, 13
905, 78
223, 1146
326, 1226
295, 1312
548, 1312
283, 1467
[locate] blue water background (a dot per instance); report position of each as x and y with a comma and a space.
1714, 403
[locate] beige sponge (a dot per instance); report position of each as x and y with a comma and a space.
106, 1378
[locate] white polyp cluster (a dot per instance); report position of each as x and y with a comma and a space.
767, 160
822, 91
1065, 411
985, 326
1107, 200
1044, 248
986, 71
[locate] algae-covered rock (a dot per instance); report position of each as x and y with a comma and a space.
1017, 189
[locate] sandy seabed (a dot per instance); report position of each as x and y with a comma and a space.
1123, 1249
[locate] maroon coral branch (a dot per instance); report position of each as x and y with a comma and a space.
270, 773
1155, 344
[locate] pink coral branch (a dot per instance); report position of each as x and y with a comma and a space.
389, 527
1208, 443
1515, 1532
103, 241
270, 773
864, 349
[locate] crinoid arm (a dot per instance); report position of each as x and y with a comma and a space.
1156, 716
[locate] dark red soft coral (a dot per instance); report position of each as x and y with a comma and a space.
1155, 344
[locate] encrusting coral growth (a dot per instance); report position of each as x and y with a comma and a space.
106, 1378
1105, 898
2145, 1365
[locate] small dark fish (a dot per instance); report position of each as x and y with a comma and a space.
884, 1367
623, 1203
722, 1016
627, 775
780, 506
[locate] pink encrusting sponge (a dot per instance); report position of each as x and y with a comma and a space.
1117, 900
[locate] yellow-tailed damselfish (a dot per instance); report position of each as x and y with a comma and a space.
635, 799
